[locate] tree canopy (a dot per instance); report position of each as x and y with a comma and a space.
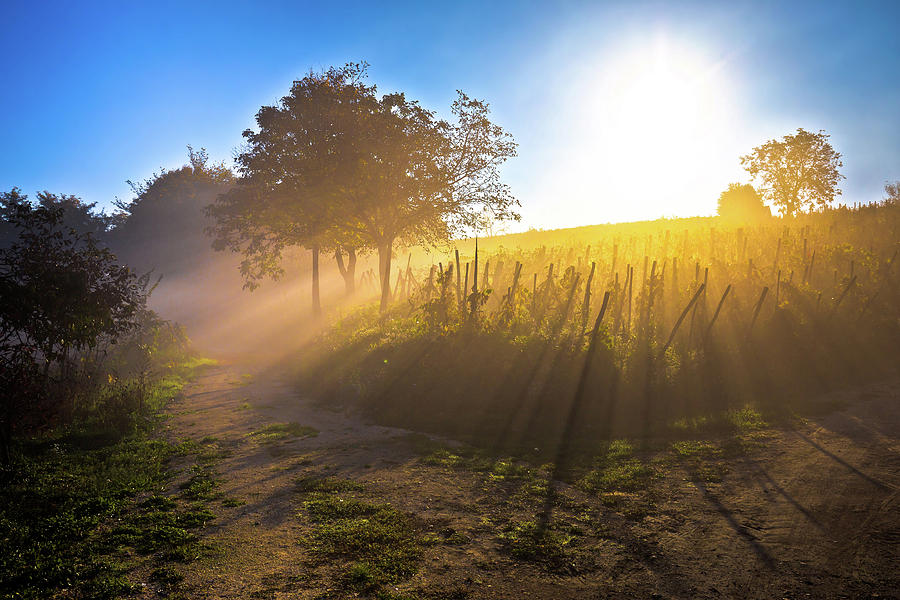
333, 166
797, 172
161, 228
60, 291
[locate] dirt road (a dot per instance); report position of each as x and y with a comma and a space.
813, 512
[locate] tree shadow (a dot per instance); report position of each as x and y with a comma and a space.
879, 484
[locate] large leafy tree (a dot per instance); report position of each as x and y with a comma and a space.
421, 179
797, 172
293, 172
334, 166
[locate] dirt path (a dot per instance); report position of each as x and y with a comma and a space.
813, 513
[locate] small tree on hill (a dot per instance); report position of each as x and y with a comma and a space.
892, 191
741, 203
797, 172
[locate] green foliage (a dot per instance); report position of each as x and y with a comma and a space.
507, 375
59, 493
380, 543
77, 499
799, 171
312, 174
161, 228
529, 540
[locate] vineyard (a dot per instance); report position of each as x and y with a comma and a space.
628, 329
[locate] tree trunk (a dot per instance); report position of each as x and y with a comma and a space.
348, 272
384, 263
316, 302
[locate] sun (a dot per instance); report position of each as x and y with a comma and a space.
657, 133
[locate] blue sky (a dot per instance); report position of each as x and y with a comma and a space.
623, 110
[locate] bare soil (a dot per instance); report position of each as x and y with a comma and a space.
812, 512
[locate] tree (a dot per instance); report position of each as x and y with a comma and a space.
893, 192
161, 228
741, 203
420, 179
60, 293
76, 214
293, 180
333, 166
798, 172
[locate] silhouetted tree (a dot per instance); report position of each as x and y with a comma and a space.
59, 294
76, 214
740, 202
162, 227
798, 172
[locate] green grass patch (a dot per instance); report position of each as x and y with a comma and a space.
746, 419
280, 431
327, 485
380, 543
616, 469
695, 448
528, 540
468, 459
628, 475
201, 485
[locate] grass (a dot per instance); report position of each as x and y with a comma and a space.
78, 504
616, 469
470, 459
378, 544
276, 432
424, 364
695, 448
201, 485
530, 541
628, 475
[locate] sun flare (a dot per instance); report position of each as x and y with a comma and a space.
658, 132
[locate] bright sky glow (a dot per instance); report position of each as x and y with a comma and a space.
623, 110
657, 118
